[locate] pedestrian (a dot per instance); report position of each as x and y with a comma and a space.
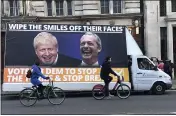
168, 68
161, 65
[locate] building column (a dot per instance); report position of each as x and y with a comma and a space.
170, 42
28, 8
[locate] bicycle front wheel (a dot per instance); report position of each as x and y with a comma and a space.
123, 91
28, 97
98, 92
56, 96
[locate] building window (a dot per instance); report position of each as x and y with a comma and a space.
49, 7
162, 7
61, 7
111, 6
117, 6
173, 2
69, 7
104, 6
14, 7
163, 36
24, 6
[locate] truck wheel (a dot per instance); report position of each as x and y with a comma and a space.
159, 88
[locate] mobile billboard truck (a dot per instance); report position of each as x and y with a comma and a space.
72, 55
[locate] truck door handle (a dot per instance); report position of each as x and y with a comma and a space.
139, 73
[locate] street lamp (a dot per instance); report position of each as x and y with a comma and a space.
88, 23
112, 22
136, 23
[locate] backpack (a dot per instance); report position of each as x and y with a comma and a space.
29, 73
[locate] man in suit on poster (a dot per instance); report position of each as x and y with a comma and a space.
90, 47
47, 50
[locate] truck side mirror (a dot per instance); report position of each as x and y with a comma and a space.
155, 68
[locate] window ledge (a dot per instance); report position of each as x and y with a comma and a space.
72, 18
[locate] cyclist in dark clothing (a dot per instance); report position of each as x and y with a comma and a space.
104, 74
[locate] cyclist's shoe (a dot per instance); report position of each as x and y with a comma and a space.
109, 97
42, 97
111, 94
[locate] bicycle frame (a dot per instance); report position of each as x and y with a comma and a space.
115, 86
117, 82
46, 88
50, 84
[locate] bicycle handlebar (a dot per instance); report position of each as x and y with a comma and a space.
50, 81
120, 80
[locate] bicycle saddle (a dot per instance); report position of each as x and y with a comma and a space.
34, 86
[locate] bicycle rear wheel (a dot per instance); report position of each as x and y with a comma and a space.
56, 96
98, 92
123, 91
28, 97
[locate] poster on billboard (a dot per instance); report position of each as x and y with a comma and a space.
64, 50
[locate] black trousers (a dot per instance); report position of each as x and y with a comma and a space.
40, 88
170, 74
107, 80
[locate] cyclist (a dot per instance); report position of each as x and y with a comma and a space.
36, 73
104, 74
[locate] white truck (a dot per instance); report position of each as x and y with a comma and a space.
145, 76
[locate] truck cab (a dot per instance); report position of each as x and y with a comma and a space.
145, 74
147, 77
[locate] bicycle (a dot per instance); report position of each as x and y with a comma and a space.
98, 91
49, 91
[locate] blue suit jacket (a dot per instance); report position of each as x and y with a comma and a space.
36, 73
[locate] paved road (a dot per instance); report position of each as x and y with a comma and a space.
136, 104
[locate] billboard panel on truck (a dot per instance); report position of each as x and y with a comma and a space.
68, 53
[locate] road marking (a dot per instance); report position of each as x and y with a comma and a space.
170, 90
143, 113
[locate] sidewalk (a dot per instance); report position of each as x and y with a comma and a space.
173, 84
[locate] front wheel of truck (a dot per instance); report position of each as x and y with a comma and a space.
159, 88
